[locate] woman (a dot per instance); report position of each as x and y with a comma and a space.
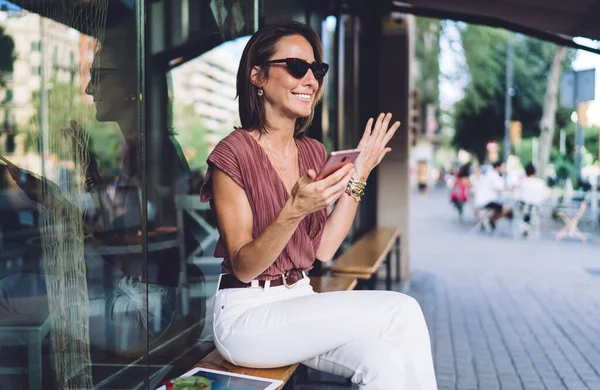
272, 217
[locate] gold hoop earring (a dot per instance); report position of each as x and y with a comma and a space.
260, 92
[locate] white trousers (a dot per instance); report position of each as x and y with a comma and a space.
379, 339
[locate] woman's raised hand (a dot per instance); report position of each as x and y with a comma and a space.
373, 145
309, 195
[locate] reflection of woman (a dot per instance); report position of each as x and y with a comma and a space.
113, 87
272, 217
118, 295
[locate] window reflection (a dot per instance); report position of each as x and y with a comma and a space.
204, 112
79, 301
204, 105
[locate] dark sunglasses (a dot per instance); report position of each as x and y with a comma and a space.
97, 74
298, 67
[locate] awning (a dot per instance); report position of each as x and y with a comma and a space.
555, 20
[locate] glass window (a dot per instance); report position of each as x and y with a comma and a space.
79, 304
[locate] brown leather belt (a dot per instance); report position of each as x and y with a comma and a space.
288, 279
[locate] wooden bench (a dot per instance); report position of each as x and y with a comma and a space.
320, 284
214, 361
323, 284
363, 259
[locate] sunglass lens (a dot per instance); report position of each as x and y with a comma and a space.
320, 70
298, 68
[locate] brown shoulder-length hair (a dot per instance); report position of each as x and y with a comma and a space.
259, 49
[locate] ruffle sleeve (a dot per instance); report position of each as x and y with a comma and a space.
224, 158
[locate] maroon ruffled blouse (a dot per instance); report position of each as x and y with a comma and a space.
245, 161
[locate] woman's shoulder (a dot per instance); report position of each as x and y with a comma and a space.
237, 143
237, 138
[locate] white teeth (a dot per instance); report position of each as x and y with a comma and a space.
302, 96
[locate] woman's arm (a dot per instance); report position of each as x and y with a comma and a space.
373, 148
251, 256
337, 226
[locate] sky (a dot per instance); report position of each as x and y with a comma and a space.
452, 60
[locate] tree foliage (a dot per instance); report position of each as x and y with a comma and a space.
7, 54
65, 104
479, 115
427, 56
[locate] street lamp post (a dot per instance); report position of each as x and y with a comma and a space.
508, 95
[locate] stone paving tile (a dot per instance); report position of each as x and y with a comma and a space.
504, 313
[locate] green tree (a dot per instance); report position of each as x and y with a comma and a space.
190, 132
65, 104
7, 55
547, 122
427, 55
479, 116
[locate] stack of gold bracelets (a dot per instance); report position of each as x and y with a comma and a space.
356, 188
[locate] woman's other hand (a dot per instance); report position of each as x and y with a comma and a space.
373, 145
309, 195
80, 140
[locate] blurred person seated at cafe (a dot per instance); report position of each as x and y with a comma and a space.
113, 254
531, 192
487, 193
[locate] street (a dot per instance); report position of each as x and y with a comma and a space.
504, 313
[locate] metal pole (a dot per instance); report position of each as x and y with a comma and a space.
508, 95
578, 128
43, 101
256, 9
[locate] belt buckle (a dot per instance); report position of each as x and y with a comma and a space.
285, 281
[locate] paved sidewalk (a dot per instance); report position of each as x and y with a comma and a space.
503, 313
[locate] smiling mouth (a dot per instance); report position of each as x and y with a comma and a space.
302, 96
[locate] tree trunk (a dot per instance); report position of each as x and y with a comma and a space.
548, 120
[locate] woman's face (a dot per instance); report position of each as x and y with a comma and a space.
108, 87
285, 95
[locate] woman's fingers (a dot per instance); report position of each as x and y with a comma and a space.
380, 132
367, 132
384, 127
338, 187
390, 133
336, 176
377, 127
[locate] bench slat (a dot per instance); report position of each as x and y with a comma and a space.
214, 361
323, 284
353, 275
366, 255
